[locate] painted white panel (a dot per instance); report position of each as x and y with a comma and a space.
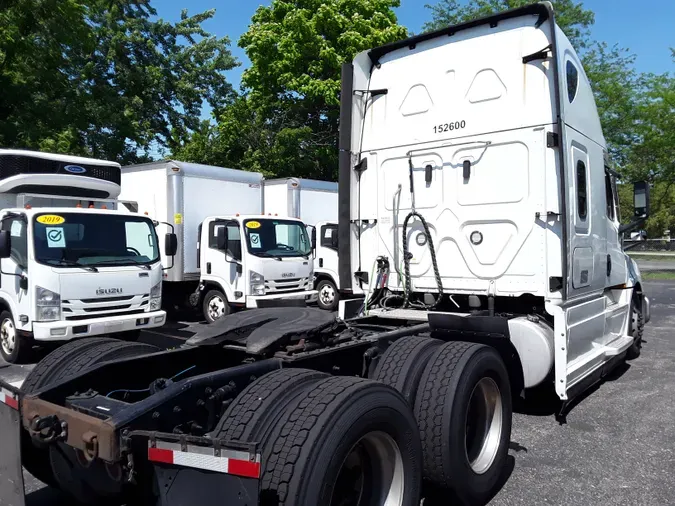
582, 267
316, 206
276, 199
148, 188
493, 92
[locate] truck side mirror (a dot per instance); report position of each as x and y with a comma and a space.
334, 239
313, 238
5, 244
170, 244
221, 239
641, 199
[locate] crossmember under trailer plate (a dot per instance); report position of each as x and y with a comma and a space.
187, 470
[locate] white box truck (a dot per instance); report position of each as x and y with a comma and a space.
261, 260
74, 262
316, 204
511, 213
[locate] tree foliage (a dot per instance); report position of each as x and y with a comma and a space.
288, 115
103, 78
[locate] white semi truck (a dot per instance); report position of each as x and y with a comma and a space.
74, 262
316, 204
474, 183
257, 260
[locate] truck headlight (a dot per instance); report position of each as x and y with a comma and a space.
47, 305
156, 297
257, 283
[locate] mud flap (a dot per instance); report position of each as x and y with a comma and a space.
194, 470
11, 472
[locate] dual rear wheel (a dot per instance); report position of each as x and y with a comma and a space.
462, 405
438, 413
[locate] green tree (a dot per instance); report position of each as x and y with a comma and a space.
617, 88
288, 116
104, 78
571, 16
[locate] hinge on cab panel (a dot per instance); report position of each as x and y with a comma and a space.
551, 139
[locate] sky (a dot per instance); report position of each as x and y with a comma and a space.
644, 27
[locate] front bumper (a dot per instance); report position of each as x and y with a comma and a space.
308, 295
53, 331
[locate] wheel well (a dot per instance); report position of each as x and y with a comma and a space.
322, 276
212, 285
4, 306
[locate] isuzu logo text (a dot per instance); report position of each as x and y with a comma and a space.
108, 291
288, 275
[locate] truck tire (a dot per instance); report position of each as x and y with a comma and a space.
403, 363
75, 356
328, 296
463, 410
14, 348
255, 411
346, 438
215, 306
636, 329
66, 360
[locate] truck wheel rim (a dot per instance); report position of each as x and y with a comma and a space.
327, 294
8, 336
372, 474
483, 427
216, 307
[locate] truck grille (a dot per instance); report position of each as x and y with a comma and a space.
287, 285
84, 309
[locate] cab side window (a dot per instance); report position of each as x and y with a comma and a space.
233, 237
18, 230
582, 191
327, 234
609, 197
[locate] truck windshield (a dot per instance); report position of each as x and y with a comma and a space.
67, 239
277, 238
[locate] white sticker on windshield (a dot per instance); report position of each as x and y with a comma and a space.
17, 228
55, 237
255, 241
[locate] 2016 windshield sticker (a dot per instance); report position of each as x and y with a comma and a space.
50, 219
448, 127
255, 240
253, 224
55, 237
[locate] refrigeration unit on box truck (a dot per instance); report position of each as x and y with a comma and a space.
316, 204
74, 262
196, 201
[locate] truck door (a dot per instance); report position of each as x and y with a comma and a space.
224, 267
616, 263
585, 176
327, 250
16, 265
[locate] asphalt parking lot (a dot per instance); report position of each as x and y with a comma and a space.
617, 446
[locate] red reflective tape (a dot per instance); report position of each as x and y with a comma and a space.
8, 398
12, 402
243, 468
159, 455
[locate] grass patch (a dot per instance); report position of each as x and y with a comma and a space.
655, 275
653, 258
